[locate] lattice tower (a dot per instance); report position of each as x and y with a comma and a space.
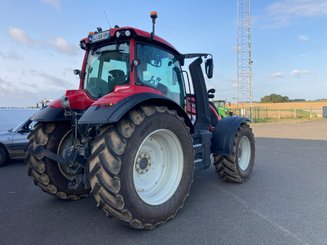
244, 60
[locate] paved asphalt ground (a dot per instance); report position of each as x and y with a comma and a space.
283, 203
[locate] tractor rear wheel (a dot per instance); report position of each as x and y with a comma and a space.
237, 167
141, 168
53, 177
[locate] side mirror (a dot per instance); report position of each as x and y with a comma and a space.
77, 72
211, 91
209, 67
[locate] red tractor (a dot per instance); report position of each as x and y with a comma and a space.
136, 130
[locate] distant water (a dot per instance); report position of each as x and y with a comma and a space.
10, 118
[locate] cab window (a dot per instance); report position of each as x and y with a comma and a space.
160, 69
107, 66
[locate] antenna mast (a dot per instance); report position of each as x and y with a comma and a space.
244, 60
105, 14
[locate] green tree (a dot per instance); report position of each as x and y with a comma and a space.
274, 98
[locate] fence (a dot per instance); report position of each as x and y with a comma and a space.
262, 114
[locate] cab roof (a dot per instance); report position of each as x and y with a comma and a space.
135, 33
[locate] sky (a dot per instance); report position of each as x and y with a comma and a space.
40, 43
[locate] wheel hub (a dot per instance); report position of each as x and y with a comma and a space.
69, 155
70, 165
143, 163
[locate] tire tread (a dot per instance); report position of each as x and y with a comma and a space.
108, 197
226, 166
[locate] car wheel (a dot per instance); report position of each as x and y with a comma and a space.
3, 156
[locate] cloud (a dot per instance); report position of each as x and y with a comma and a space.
10, 55
20, 35
300, 73
42, 82
8, 91
6, 85
35, 86
53, 3
303, 38
61, 45
276, 75
53, 81
46, 82
282, 13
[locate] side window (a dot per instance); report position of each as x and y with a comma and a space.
160, 69
94, 69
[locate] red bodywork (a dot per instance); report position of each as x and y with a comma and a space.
80, 100
122, 92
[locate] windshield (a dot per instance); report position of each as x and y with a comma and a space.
106, 67
26, 125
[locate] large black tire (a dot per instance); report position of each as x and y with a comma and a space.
45, 172
116, 167
238, 166
3, 156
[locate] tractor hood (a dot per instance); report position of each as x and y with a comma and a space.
75, 99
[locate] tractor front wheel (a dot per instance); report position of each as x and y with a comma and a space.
237, 166
141, 169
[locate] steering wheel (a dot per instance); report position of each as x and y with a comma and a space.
153, 82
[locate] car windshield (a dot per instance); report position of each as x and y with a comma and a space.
107, 66
25, 123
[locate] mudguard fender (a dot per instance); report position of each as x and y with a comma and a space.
50, 114
111, 114
224, 133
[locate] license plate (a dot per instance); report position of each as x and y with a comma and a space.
99, 36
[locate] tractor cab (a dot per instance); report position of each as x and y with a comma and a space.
127, 59
121, 62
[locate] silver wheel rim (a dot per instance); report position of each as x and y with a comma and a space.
244, 153
158, 167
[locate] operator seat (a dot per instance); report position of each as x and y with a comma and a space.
97, 87
116, 77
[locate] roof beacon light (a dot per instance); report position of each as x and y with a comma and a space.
153, 16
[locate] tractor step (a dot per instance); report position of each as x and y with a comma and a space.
201, 145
